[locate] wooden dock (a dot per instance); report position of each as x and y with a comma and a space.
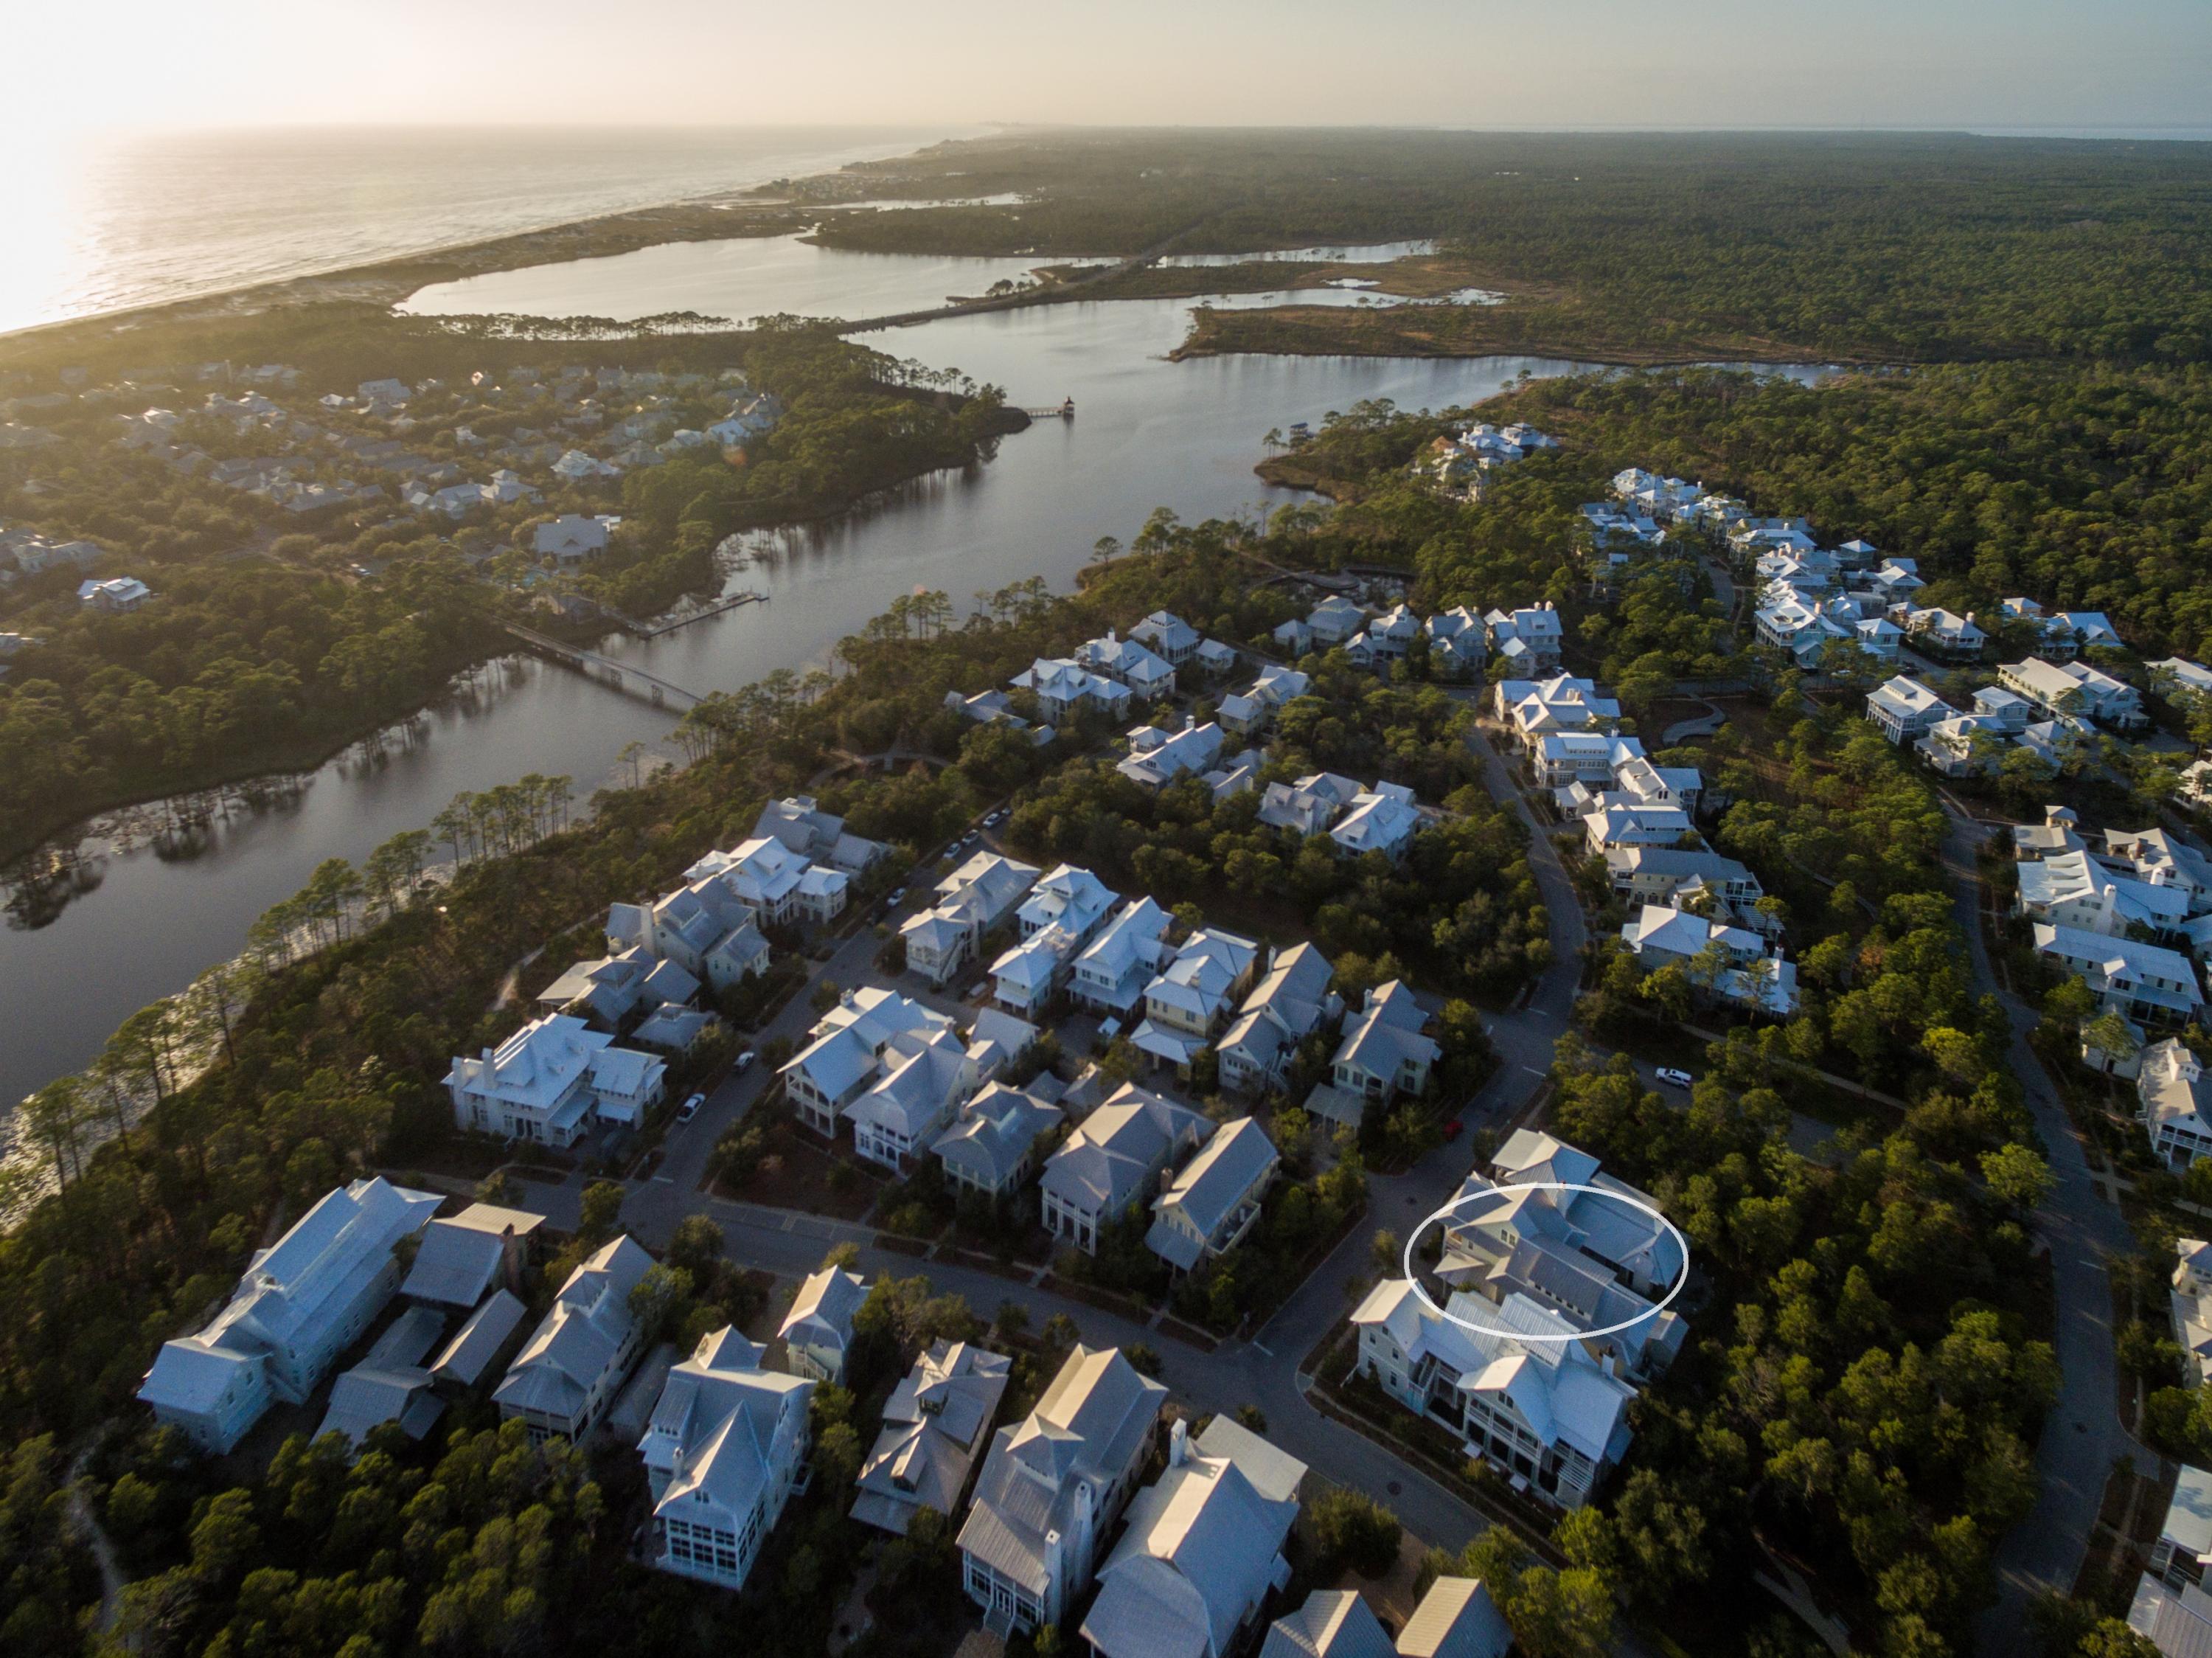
638, 629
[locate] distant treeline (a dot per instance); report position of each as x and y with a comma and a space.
1880, 245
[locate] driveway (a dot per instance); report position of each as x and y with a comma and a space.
1262, 1371
2083, 1437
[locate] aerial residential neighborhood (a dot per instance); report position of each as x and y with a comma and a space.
1274, 886
1118, 1099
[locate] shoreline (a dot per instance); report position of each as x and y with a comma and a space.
1775, 357
730, 197
312, 757
316, 756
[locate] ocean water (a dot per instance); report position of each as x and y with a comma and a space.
101, 224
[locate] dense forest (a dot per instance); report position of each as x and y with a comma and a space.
2085, 489
1869, 246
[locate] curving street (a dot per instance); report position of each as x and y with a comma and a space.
2081, 1443
2082, 1436
1262, 1370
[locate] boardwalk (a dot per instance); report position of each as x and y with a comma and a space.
618, 676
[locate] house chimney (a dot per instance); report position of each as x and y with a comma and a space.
1178, 1444
510, 1255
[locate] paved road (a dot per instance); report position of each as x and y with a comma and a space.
1262, 1371
2083, 1435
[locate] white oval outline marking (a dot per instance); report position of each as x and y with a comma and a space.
1413, 1277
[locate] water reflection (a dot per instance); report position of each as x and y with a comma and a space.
110, 924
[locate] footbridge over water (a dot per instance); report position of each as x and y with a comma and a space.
619, 676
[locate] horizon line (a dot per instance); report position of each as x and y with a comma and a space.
1964, 128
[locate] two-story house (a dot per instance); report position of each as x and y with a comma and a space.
1733, 964
2175, 1104
1157, 757
2075, 688
1610, 826
1386, 1050
1025, 977
933, 1430
2072, 889
1530, 638
725, 1450
570, 1369
1381, 819
1393, 631
1248, 711
1335, 620
1202, 1549
1147, 676
1562, 758
1065, 689
1643, 875
2149, 984
2190, 1307
1210, 1205
1168, 635
1189, 998
922, 1078
551, 1081
1903, 710
1074, 901
1307, 806
817, 835
1113, 1162
1052, 1487
1292, 1001
1458, 644
971, 901
845, 1050
1545, 1413
991, 1145
817, 1330
1113, 970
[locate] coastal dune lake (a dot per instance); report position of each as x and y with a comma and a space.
749, 276
1147, 433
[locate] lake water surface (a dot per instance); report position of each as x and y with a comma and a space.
744, 277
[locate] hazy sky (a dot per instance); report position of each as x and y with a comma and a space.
1475, 63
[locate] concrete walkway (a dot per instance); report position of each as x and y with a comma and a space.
1703, 725
86, 1524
